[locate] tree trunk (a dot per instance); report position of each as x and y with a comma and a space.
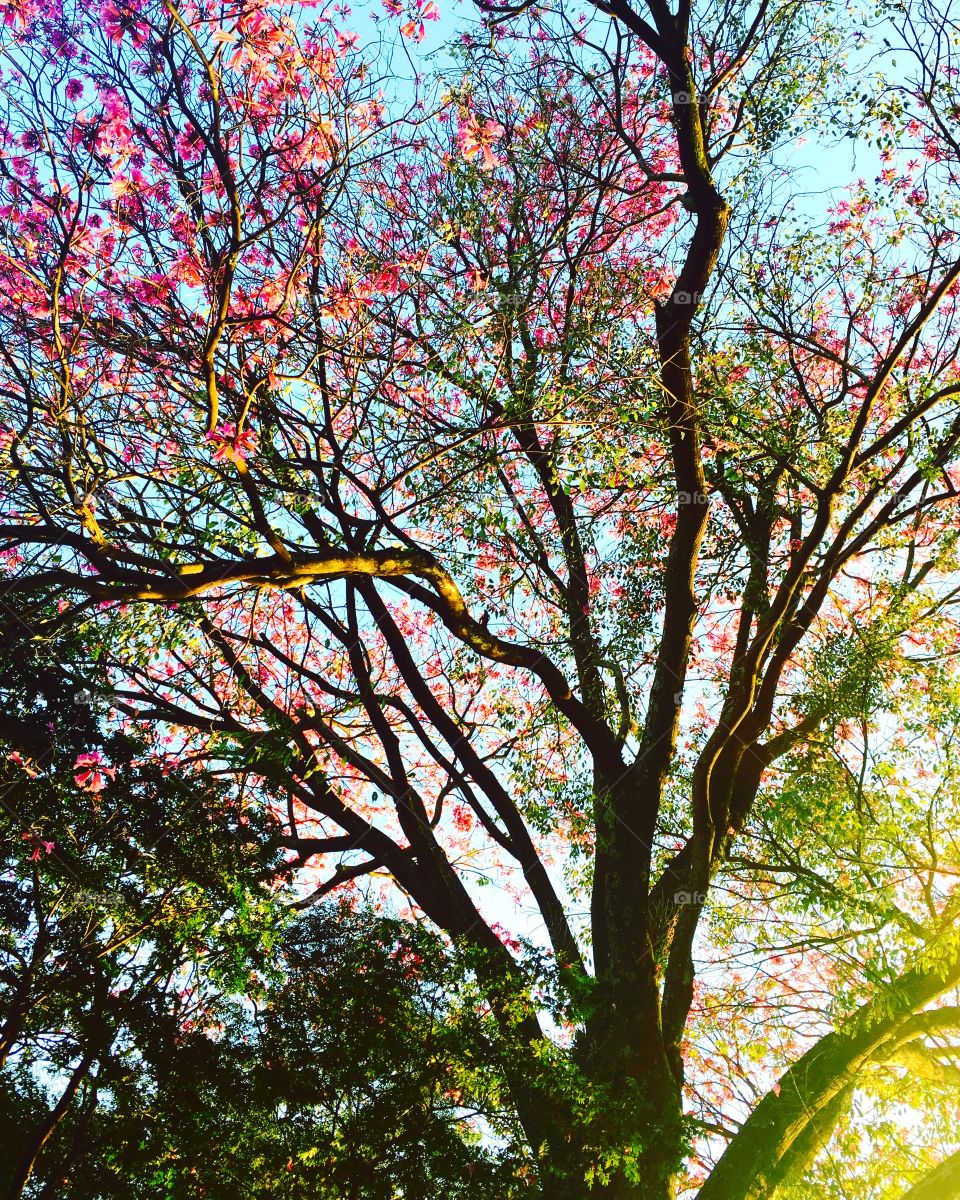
25, 1167
586, 1175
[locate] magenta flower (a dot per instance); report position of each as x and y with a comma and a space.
91, 773
475, 140
230, 445
38, 845
120, 21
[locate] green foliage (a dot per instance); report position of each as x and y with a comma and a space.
237, 1051
341, 1078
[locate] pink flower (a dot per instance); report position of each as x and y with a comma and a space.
506, 938
7, 438
230, 445
368, 115
17, 758
38, 845
91, 773
336, 304
430, 12
474, 139
15, 13
393, 7
387, 279
118, 21
414, 30
74, 89
189, 145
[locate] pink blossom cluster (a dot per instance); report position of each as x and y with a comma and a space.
90, 771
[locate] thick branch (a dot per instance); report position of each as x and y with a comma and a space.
170, 585
749, 1167
942, 1183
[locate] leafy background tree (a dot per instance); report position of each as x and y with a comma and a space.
166, 1030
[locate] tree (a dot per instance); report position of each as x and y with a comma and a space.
525, 480
131, 892
164, 1028
301, 1087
